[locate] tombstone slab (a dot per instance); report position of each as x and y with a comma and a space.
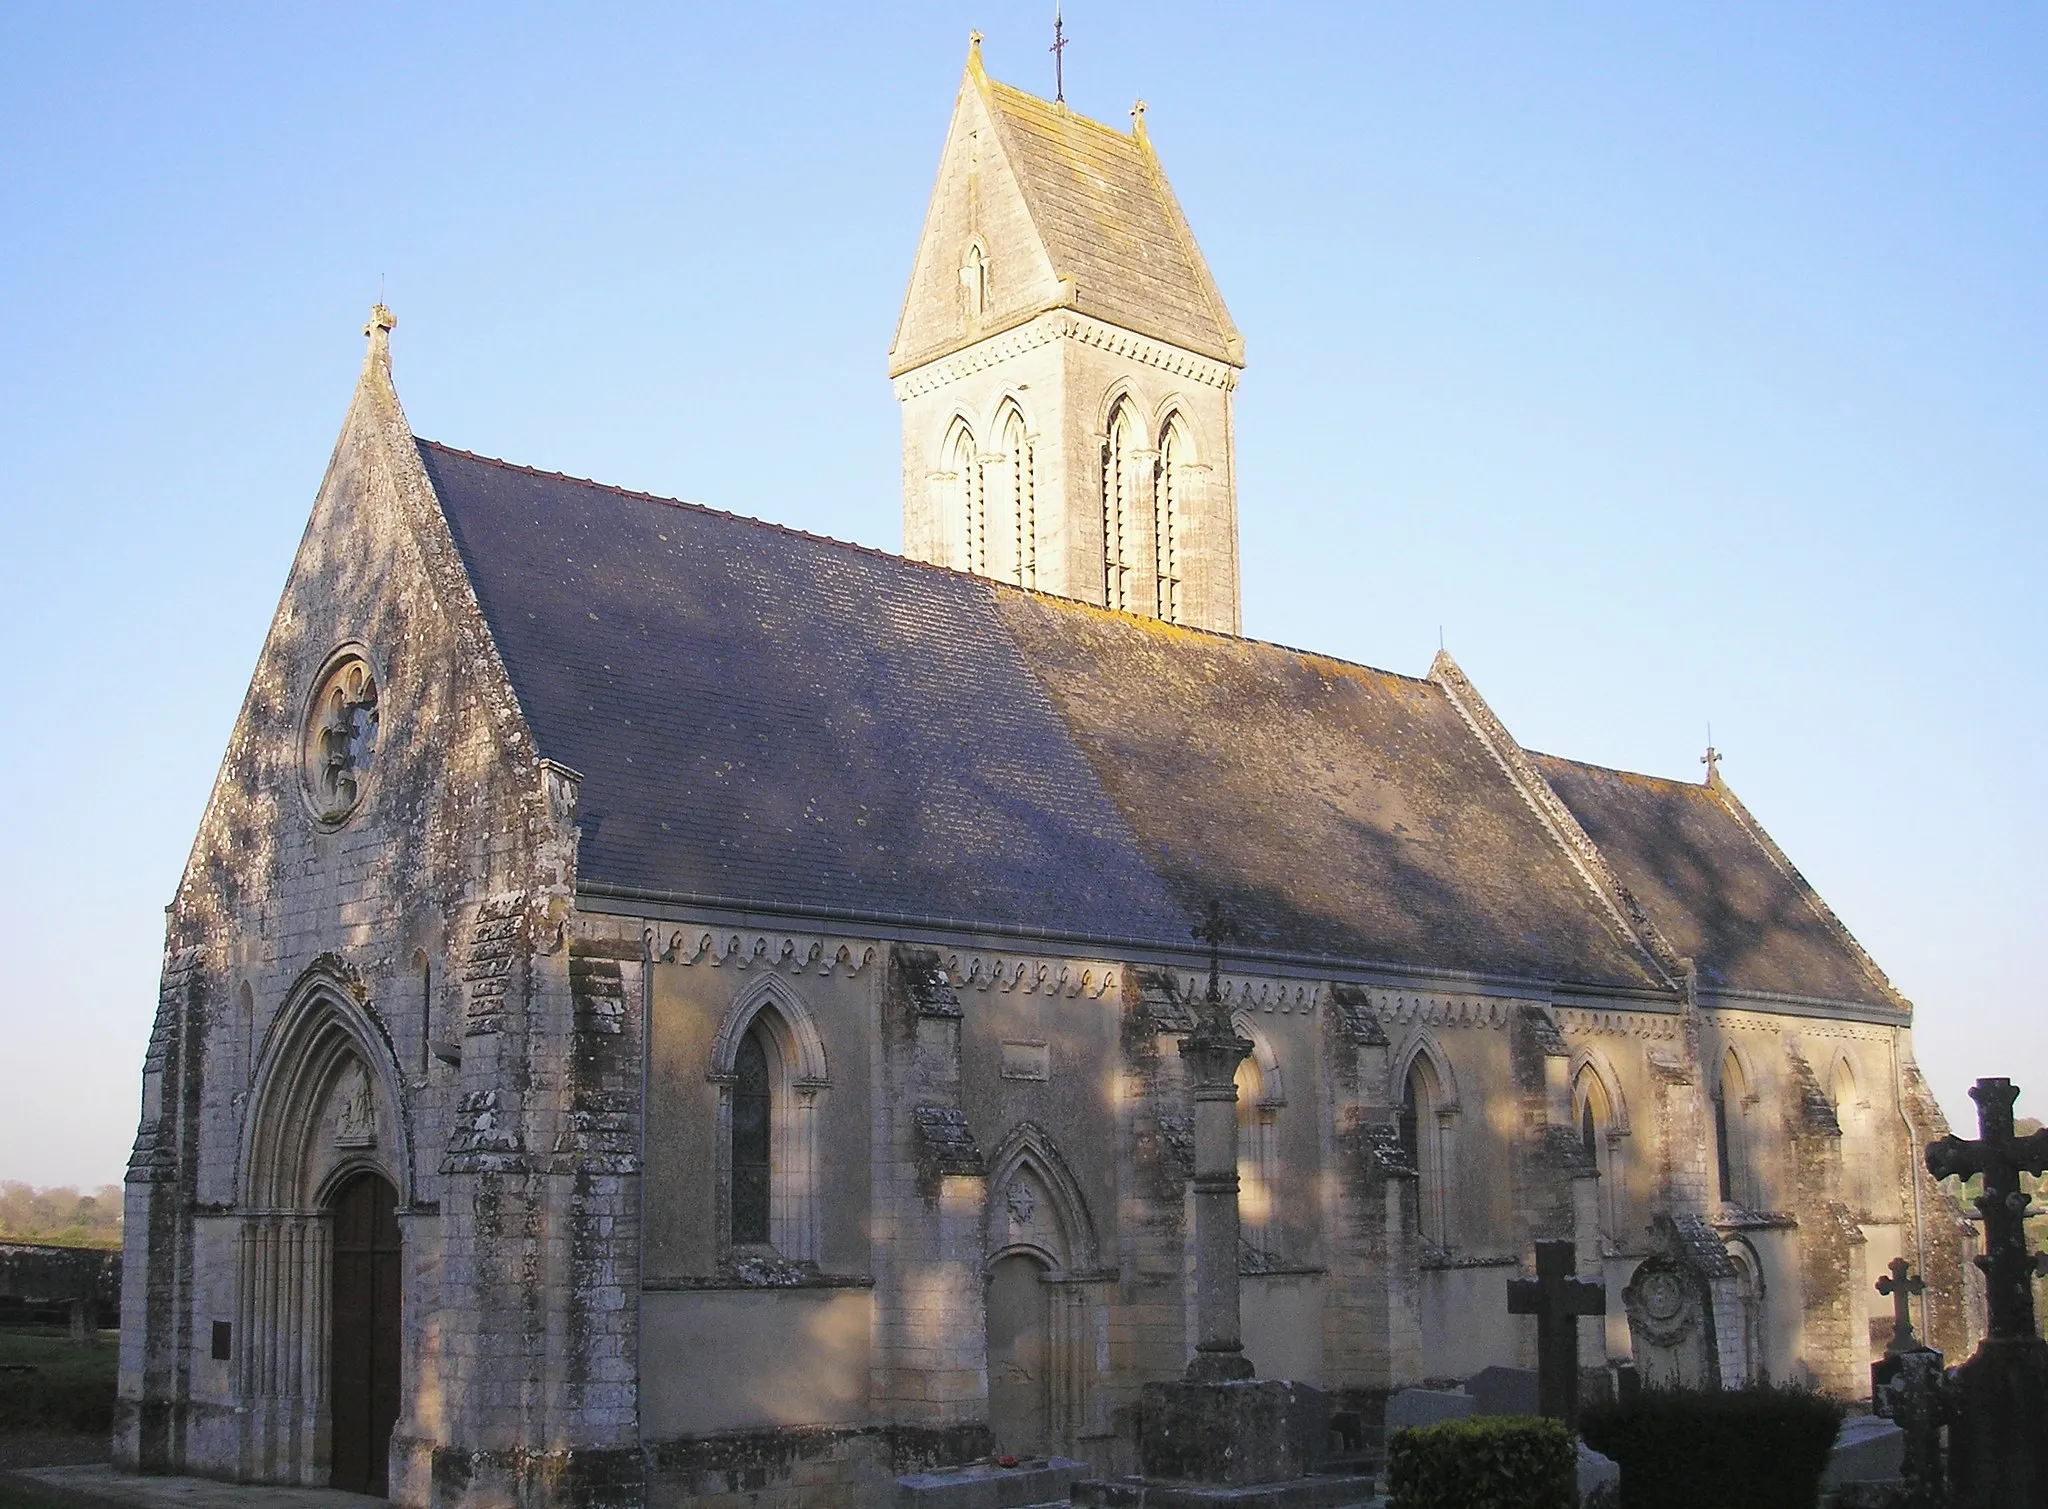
1415, 1407
985, 1485
1258, 1430
1504, 1391
1867, 1449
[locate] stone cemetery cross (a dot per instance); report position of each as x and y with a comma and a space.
1901, 1283
1213, 1051
1557, 1298
2000, 1156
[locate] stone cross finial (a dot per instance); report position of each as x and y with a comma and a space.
1557, 1297
1712, 760
382, 320
2001, 1156
1901, 1283
1215, 929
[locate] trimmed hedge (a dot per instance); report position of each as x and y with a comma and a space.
1491, 1462
1762, 1447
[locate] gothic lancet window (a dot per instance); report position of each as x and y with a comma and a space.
1597, 1134
1169, 502
965, 512
752, 1141
974, 280
1422, 1139
1118, 527
1732, 1101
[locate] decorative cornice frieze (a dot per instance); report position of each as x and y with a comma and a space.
1029, 976
1578, 1021
1058, 325
793, 953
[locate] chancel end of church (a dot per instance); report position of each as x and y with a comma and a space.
662, 1006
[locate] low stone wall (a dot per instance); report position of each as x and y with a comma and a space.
41, 1283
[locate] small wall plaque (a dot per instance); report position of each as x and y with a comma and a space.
1026, 1061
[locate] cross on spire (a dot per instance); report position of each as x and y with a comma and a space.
1901, 1283
1557, 1297
2001, 1156
1712, 758
1059, 57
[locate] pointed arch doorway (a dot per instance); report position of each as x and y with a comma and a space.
365, 1309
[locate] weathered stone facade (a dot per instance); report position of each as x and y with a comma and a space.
751, 971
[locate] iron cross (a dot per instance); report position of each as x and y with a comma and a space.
2001, 1156
1059, 57
1557, 1297
1901, 1283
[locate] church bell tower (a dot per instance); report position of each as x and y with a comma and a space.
1065, 366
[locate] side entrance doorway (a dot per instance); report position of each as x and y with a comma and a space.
1019, 1396
363, 1381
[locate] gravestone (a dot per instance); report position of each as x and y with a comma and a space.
1670, 1326
1415, 1408
1998, 1400
1505, 1391
1907, 1387
1557, 1297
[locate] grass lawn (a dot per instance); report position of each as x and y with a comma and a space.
48, 1384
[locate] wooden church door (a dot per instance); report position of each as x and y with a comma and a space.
363, 1385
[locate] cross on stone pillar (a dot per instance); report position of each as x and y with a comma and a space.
2001, 1156
1557, 1298
1212, 1052
1901, 1284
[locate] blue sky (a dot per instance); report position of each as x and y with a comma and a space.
1677, 366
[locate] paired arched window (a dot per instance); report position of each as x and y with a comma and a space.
1422, 1139
1119, 497
1170, 476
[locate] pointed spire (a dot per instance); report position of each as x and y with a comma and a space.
382, 322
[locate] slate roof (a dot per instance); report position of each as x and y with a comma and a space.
1712, 887
1109, 221
782, 722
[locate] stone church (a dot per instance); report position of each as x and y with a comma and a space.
664, 1006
